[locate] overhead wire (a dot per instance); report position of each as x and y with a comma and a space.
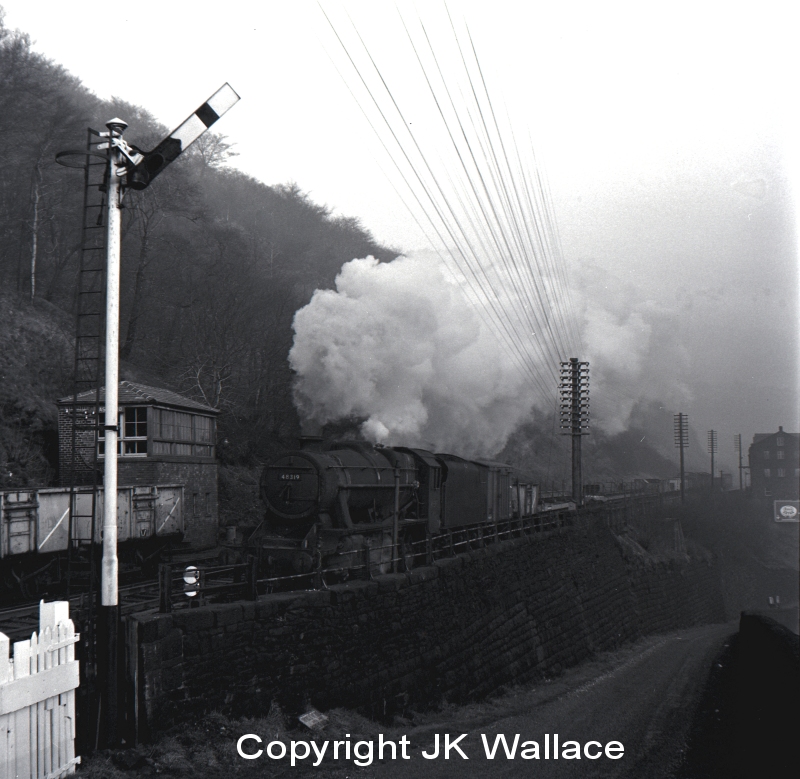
480, 190
491, 214
483, 299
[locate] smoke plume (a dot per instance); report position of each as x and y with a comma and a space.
631, 345
400, 346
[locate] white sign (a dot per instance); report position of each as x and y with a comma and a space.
787, 510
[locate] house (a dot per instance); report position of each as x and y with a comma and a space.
775, 465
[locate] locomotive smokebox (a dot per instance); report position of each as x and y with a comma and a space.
353, 483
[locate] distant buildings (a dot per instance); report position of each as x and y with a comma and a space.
691, 481
775, 465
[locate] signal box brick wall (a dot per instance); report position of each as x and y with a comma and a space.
460, 629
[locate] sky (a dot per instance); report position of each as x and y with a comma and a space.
664, 131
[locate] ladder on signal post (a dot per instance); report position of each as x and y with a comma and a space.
89, 341
83, 474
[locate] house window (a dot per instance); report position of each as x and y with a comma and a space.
766, 473
779, 441
781, 472
779, 454
766, 454
132, 433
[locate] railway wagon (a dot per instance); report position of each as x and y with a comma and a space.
36, 521
34, 527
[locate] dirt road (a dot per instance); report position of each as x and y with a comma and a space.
642, 696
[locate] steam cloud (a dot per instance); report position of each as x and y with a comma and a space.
631, 345
399, 345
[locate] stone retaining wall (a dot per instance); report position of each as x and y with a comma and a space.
458, 630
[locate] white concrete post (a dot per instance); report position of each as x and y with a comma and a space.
109, 571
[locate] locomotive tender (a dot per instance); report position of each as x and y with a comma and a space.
357, 506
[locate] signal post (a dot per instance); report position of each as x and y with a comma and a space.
128, 167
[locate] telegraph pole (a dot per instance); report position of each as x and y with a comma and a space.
574, 390
737, 445
681, 430
712, 448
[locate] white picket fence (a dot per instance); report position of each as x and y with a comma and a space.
37, 699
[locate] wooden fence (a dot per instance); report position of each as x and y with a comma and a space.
37, 699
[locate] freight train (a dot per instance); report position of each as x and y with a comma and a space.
379, 508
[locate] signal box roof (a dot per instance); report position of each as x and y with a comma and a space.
132, 394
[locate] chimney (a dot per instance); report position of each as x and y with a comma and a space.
310, 436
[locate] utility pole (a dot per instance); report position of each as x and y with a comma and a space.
574, 390
737, 445
128, 167
681, 430
712, 448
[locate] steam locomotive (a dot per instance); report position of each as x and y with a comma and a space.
379, 508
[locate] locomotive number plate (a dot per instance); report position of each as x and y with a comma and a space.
289, 477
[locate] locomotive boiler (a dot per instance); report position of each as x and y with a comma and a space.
377, 508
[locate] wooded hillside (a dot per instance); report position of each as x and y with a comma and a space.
214, 265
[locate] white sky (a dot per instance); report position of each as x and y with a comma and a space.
663, 129
608, 90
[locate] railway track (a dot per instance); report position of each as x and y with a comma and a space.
19, 621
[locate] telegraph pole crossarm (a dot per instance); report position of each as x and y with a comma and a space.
712, 448
681, 429
574, 391
737, 445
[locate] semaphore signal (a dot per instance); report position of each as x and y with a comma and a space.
126, 167
143, 167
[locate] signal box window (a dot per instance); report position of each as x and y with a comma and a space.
183, 434
134, 437
132, 433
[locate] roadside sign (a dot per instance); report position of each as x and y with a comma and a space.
787, 511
